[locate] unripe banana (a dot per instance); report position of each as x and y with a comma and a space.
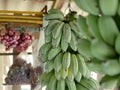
54, 14
49, 66
83, 27
53, 52
74, 64
78, 76
64, 73
51, 25
117, 44
58, 62
45, 78
81, 87
87, 6
101, 50
66, 60
64, 44
52, 84
84, 48
61, 84
81, 65
75, 28
108, 7
92, 22
111, 67
70, 76
109, 82
67, 33
58, 75
44, 49
57, 29
110, 31
48, 38
73, 42
70, 84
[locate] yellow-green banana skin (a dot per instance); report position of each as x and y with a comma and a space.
101, 50
117, 44
108, 7
108, 29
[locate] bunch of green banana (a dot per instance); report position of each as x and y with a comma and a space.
62, 54
101, 42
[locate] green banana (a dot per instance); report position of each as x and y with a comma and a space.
67, 32
58, 75
52, 84
73, 41
54, 16
64, 73
101, 50
70, 84
94, 65
83, 27
44, 49
109, 82
92, 22
58, 62
48, 38
81, 87
111, 67
78, 76
84, 47
53, 52
66, 60
89, 83
51, 25
87, 6
74, 64
110, 31
61, 85
81, 65
45, 78
56, 41
57, 29
117, 44
118, 9
64, 44
75, 28
49, 66
70, 75
108, 7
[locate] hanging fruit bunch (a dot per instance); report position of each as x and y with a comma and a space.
13, 39
24, 42
10, 39
101, 29
65, 67
21, 73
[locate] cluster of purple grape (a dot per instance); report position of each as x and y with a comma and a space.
12, 39
24, 42
21, 73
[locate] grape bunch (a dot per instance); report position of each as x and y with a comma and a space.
24, 42
10, 39
13, 39
21, 73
